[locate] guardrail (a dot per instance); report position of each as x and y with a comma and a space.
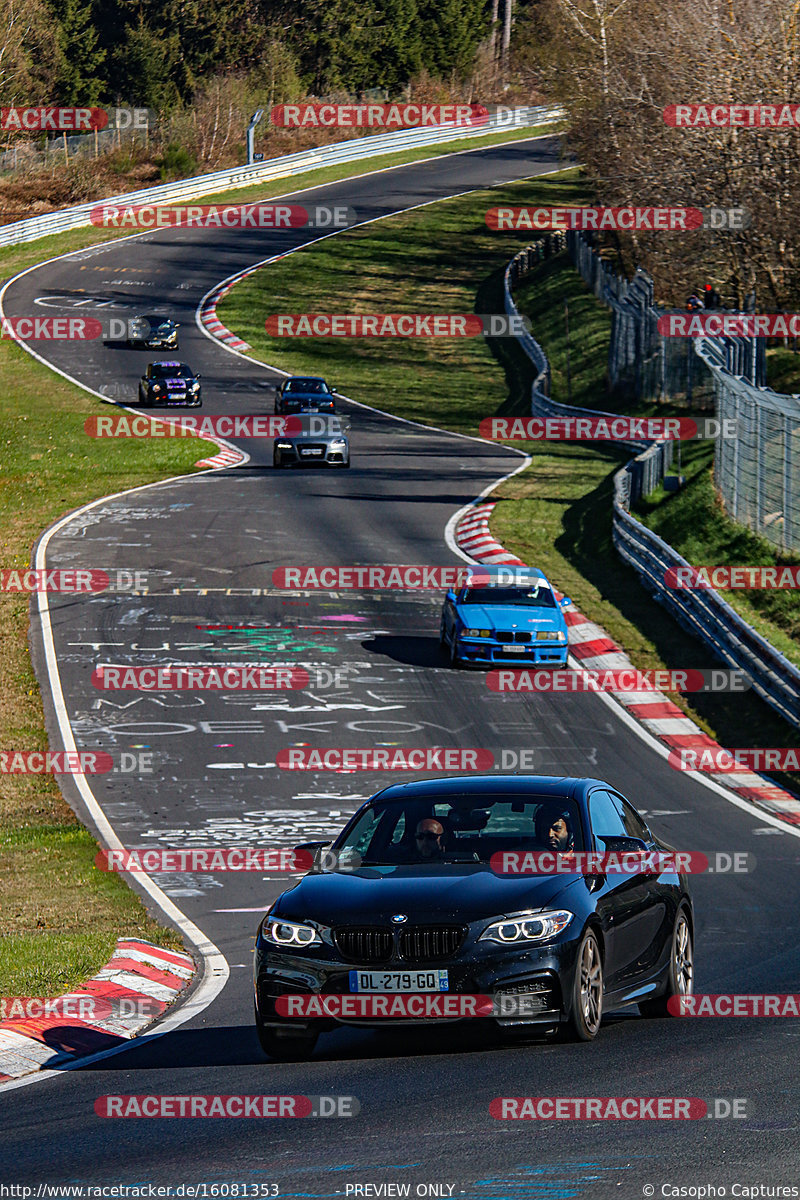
705, 614
353, 150
649, 467
702, 612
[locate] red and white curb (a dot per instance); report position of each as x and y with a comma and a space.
136, 971
472, 535
208, 312
593, 649
225, 458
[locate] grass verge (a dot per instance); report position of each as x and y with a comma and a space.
557, 514
59, 916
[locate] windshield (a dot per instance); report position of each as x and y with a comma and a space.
310, 386
473, 828
539, 596
320, 425
171, 371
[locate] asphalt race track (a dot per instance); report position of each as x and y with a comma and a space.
210, 544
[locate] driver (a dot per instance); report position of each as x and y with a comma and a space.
554, 828
428, 838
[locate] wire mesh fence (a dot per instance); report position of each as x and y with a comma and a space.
703, 612
642, 361
757, 472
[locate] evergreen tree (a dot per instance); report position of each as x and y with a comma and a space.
399, 54
145, 68
79, 79
452, 32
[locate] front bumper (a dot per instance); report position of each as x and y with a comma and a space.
486, 652
189, 400
543, 976
323, 454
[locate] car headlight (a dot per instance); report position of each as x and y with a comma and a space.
478, 633
157, 387
533, 928
549, 635
289, 933
194, 386
338, 442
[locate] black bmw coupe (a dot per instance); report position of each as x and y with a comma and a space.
406, 916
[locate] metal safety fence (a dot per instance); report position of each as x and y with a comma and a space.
352, 150
757, 473
640, 359
645, 472
702, 612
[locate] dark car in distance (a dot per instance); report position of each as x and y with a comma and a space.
397, 919
153, 332
305, 394
167, 383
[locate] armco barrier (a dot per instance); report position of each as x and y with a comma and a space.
702, 612
352, 150
645, 471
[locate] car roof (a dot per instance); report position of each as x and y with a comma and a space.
532, 579
562, 786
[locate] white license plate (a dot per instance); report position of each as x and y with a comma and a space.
399, 981
308, 453
514, 649
177, 395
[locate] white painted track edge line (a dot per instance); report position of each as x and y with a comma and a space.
215, 970
621, 713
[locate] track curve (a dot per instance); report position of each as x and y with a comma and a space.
213, 541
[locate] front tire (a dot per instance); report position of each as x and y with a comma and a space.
285, 1047
680, 975
587, 990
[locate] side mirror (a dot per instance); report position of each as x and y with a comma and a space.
314, 849
623, 845
564, 602
450, 595
629, 845
198, 375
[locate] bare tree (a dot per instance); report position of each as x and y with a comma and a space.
616, 66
